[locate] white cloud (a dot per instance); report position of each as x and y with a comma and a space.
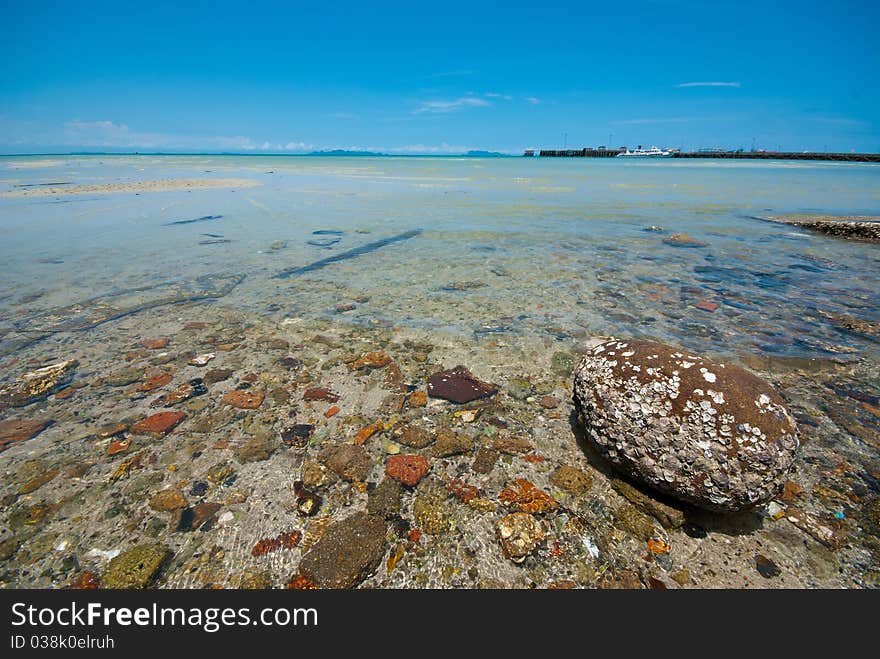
442, 107
113, 135
506, 97
533, 100
708, 84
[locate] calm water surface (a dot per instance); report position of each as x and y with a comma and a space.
549, 247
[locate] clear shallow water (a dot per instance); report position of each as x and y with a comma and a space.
555, 248
515, 263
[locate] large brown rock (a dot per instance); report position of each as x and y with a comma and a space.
710, 434
458, 385
348, 552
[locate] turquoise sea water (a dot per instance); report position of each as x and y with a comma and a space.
552, 248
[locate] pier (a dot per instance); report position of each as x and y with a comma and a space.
602, 152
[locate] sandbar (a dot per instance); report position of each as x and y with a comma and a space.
162, 185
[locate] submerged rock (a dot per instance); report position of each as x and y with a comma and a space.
683, 240
19, 430
519, 534
348, 552
135, 568
711, 434
349, 461
458, 385
38, 384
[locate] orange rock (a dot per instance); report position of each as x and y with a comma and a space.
333, 411
154, 382
658, 547
394, 558
320, 393
158, 424
155, 344
534, 458
299, 582
461, 490
168, 500
705, 305
118, 446
407, 469
365, 433
376, 359
415, 535
527, 498
790, 491
86, 581
282, 541
245, 399
67, 392
418, 398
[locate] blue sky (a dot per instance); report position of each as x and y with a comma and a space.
419, 77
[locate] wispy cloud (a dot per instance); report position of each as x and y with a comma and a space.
534, 100
654, 120
708, 84
442, 107
506, 97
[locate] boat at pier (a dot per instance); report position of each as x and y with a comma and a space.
653, 152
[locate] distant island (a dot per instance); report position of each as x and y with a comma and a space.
469, 154
344, 152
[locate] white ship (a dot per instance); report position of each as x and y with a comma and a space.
653, 152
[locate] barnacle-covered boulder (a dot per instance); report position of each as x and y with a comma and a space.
707, 433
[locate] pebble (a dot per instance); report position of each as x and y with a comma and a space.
349, 461
243, 399
527, 498
520, 534
449, 442
571, 479
407, 469
159, 424
320, 393
413, 436
418, 398
349, 551
168, 500
549, 402
136, 568
15, 430
371, 360
202, 360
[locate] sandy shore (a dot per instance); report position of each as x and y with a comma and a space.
162, 185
